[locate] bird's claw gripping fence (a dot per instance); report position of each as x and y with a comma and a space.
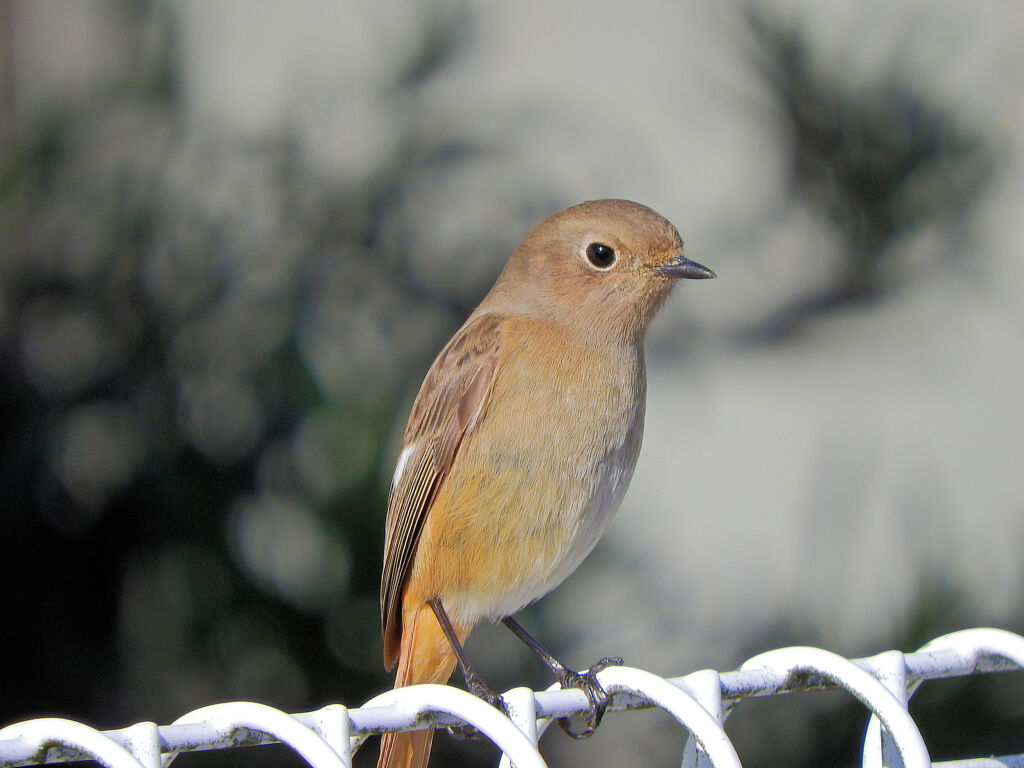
700, 702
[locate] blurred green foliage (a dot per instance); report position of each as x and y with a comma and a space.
880, 163
207, 349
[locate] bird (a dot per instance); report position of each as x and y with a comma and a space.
521, 442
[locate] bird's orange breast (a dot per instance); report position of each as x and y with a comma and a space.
538, 476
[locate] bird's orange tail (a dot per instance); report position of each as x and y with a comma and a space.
426, 657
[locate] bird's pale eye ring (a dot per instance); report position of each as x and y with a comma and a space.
601, 256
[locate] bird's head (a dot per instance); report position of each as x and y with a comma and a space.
603, 266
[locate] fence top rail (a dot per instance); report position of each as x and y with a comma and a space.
329, 736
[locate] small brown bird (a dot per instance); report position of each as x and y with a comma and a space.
522, 441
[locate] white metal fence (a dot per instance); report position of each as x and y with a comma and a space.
700, 702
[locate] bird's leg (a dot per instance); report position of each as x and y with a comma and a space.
474, 683
586, 681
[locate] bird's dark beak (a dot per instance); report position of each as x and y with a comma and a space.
681, 267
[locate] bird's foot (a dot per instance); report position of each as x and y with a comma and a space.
480, 689
599, 698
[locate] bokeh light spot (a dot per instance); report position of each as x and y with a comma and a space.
64, 350
220, 416
97, 449
286, 547
333, 452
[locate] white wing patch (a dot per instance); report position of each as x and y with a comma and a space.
403, 459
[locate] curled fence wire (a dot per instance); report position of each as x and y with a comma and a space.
699, 702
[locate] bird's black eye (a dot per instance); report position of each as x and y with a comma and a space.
600, 255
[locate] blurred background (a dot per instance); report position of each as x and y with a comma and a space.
233, 236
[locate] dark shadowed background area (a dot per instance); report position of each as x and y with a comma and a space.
234, 235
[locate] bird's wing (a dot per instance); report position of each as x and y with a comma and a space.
449, 401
